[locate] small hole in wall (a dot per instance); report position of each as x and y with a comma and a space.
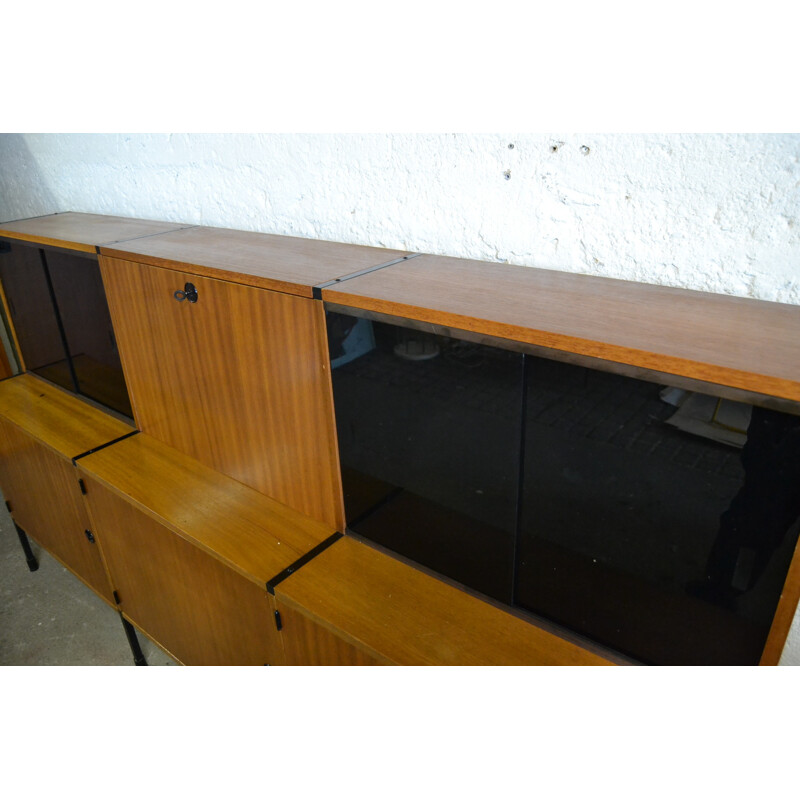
585, 150
511, 147
553, 148
507, 174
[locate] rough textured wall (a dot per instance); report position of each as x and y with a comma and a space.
713, 212
791, 652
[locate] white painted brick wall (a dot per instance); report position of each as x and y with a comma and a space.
712, 212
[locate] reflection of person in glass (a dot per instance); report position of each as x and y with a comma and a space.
764, 509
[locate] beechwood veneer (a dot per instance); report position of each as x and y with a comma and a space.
239, 383
82, 232
41, 430
387, 612
281, 263
190, 551
239, 380
726, 341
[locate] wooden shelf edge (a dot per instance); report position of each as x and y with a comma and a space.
710, 373
46, 241
219, 273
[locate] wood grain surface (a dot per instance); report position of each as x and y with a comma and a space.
744, 343
58, 420
393, 613
282, 263
46, 502
307, 643
239, 380
249, 533
784, 614
82, 232
198, 609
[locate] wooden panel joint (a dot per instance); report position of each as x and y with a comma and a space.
102, 446
293, 567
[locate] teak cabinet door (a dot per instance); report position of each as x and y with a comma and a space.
196, 608
238, 380
307, 643
45, 497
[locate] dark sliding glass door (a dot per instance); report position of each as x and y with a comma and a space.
60, 315
429, 442
657, 522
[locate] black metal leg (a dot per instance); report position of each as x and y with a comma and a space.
133, 641
33, 564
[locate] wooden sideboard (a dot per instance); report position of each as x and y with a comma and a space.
42, 429
223, 528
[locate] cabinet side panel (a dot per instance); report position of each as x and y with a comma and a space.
784, 614
308, 644
198, 609
237, 380
46, 503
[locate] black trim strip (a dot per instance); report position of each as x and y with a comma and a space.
316, 291
303, 560
102, 446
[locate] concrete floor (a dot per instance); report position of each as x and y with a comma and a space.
49, 617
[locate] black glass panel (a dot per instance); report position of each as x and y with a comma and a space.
60, 315
31, 308
655, 521
429, 438
81, 300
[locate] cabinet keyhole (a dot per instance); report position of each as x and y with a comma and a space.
189, 293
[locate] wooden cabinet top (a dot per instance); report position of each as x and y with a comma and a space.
247, 531
718, 339
84, 232
282, 263
59, 420
739, 342
400, 615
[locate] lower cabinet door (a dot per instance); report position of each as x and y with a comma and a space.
307, 643
45, 497
191, 604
